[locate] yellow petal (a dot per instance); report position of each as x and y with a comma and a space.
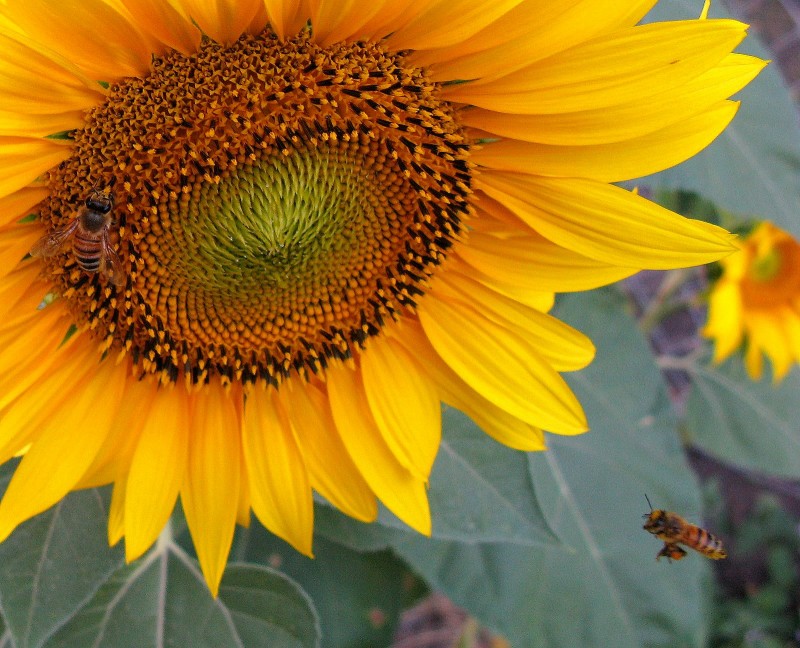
280, 490
613, 69
397, 488
116, 512
167, 22
447, 22
500, 366
724, 319
42, 82
29, 353
286, 17
393, 15
404, 405
64, 447
211, 489
493, 420
625, 121
615, 161
333, 474
114, 458
564, 348
607, 223
102, 40
530, 32
23, 160
157, 470
28, 407
223, 20
20, 204
532, 262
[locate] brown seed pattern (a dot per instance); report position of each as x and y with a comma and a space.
277, 204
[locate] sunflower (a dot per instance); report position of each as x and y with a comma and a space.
757, 299
248, 247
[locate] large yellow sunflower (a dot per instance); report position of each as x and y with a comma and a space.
756, 300
271, 236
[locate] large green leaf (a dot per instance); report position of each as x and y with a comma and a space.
62, 586
752, 168
53, 564
359, 596
750, 424
601, 586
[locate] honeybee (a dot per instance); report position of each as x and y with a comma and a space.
88, 234
673, 529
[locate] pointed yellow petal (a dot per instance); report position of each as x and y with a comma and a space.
532, 262
625, 121
404, 405
494, 421
500, 366
613, 69
157, 470
447, 22
116, 512
397, 488
615, 161
211, 489
529, 32
724, 319
564, 348
607, 223
333, 474
64, 447
280, 491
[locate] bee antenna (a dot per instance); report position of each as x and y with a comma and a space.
648, 501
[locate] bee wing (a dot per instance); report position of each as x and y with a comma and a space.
111, 263
51, 243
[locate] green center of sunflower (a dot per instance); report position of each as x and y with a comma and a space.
274, 205
767, 266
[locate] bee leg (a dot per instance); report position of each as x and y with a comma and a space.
671, 551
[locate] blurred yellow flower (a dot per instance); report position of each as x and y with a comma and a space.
756, 300
271, 237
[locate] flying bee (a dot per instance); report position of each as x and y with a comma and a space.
88, 234
673, 529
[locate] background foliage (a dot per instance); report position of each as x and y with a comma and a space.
544, 548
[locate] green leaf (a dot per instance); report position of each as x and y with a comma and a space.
602, 586
53, 564
163, 600
61, 586
750, 424
751, 169
359, 596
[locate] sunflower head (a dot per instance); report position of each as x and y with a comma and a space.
754, 302
278, 235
